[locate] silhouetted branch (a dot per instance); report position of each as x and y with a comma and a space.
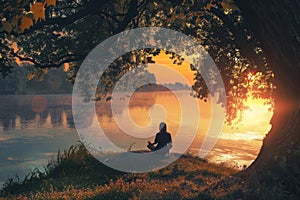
60, 61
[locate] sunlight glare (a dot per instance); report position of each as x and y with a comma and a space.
257, 116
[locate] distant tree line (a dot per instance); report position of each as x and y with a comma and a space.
52, 83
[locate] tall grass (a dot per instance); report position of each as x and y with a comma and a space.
74, 166
76, 174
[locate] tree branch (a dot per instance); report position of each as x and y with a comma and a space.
58, 63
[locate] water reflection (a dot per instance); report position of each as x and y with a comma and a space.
20, 112
33, 128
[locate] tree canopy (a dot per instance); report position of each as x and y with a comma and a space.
50, 33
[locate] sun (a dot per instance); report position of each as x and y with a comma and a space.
251, 113
257, 116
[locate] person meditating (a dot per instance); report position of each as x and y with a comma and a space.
162, 139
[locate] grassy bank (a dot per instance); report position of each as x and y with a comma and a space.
75, 174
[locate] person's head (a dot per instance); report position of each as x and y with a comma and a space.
163, 127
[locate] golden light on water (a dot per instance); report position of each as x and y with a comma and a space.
255, 121
163, 107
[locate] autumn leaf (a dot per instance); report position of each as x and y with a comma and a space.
50, 2
38, 11
26, 22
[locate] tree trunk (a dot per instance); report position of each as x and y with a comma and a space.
276, 25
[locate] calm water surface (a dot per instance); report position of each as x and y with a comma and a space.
33, 128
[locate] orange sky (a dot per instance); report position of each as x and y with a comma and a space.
162, 73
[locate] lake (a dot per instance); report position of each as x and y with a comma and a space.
34, 127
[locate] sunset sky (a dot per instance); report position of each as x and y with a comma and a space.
163, 73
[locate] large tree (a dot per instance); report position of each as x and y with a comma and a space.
276, 24
261, 37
